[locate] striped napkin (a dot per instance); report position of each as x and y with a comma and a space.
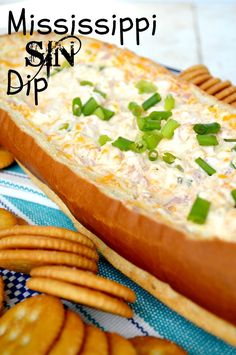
19, 195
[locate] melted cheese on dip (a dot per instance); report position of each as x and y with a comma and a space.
154, 188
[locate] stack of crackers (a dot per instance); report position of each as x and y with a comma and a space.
40, 325
200, 76
62, 263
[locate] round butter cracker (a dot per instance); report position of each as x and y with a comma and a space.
86, 279
151, 345
80, 295
1, 294
46, 243
32, 326
6, 158
119, 345
7, 219
24, 260
95, 342
71, 338
50, 232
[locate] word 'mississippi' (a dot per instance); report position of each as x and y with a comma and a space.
115, 26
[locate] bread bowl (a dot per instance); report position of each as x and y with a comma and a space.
140, 224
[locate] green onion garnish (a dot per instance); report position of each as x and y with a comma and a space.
160, 115
233, 163
233, 149
180, 168
123, 143
153, 100
103, 139
145, 87
64, 65
86, 83
153, 155
205, 166
135, 109
168, 129
233, 194
230, 139
77, 106
208, 140
64, 126
145, 124
89, 107
199, 211
152, 139
100, 93
139, 146
103, 113
207, 128
108, 113
169, 102
99, 113
168, 158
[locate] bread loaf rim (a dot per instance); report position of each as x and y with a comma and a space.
188, 266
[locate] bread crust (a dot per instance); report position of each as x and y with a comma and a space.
202, 270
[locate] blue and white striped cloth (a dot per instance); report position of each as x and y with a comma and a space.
19, 195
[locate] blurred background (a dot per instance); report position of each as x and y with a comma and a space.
188, 32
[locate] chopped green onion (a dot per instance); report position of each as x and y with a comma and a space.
207, 128
153, 155
101, 67
76, 106
160, 115
145, 87
64, 65
180, 168
64, 126
152, 139
199, 211
100, 93
169, 102
86, 83
123, 143
135, 109
145, 124
230, 139
152, 101
168, 129
103, 113
99, 113
233, 163
208, 140
139, 147
168, 158
103, 139
89, 107
233, 149
108, 113
205, 166
233, 194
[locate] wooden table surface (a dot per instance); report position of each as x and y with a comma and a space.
188, 32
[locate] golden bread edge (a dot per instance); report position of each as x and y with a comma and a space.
161, 290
